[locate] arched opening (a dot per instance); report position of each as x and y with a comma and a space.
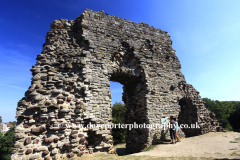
118, 113
134, 99
188, 117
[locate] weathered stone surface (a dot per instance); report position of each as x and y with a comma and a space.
34, 156
18, 145
70, 155
45, 152
80, 154
47, 158
55, 140
67, 145
26, 126
19, 135
70, 86
13, 151
42, 148
28, 151
48, 140
55, 151
28, 140
38, 129
81, 135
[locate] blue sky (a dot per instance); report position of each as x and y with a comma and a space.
205, 35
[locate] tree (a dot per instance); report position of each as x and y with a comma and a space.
0, 137
8, 141
227, 113
118, 113
13, 123
0, 119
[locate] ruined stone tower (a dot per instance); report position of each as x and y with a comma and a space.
70, 85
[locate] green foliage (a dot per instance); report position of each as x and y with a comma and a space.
118, 112
227, 113
6, 144
0, 119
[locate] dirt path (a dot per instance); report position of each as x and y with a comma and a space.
212, 145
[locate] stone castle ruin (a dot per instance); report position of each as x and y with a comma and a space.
70, 85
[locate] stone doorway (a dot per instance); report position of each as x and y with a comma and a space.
135, 113
188, 117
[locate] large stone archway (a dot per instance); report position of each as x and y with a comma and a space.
70, 85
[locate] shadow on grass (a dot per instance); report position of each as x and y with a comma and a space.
121, 151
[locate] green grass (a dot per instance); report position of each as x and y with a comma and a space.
233, 149
233, 142
236, 153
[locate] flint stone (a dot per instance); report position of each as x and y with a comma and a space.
48, 140
55, 91
28, 140
79, 154
70, 155
34, 156
28, 151
82, 140
42, 148
54, 151
26, 126
18, 145
47, 158
19, 135
19, 130
81, 135
13, 151
45, 152
34, 107
74, 136
53, 63
55, 140
67, 145
38, 129
65, 110
53, 145
74, 132
98, 147
32, 121
74, 140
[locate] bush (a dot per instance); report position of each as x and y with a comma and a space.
6, 144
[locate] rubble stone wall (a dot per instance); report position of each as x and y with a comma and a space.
70, 85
